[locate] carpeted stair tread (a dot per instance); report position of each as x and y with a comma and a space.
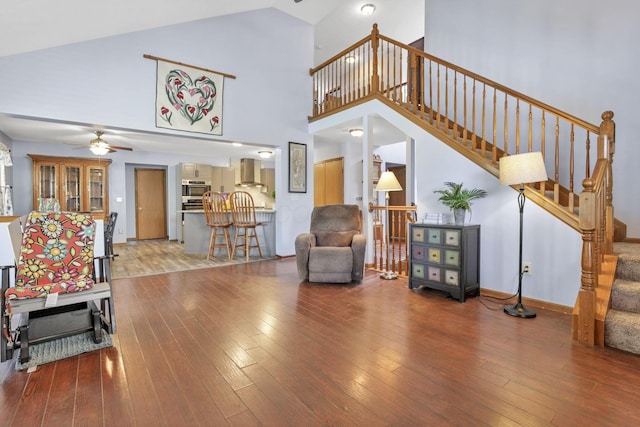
622, 324
622, 331
628, 267
625, 295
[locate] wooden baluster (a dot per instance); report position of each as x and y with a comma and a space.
394, 82
494, 150
474, 143
438, 97
587, 144
484, 121
505, 147
542, 146
530, 132
422, 87
446, 99
556, 175
431, 115
518, 125
414, 71
571, 168
464, 121
601, 230
455, 104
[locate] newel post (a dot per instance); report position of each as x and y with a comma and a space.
589, 277
375, 42
606, 148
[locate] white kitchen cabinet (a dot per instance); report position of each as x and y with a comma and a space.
195, 171
222, 179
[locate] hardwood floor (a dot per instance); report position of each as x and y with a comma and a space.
249, 344
144, 257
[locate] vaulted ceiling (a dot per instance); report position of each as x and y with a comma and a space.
32, 25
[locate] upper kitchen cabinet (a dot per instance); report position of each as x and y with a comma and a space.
78, 184
223, 179
268, 179
195, 171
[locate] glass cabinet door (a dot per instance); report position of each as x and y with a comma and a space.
47, 181
72, 188
96, 188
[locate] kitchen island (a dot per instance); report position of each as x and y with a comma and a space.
196, 233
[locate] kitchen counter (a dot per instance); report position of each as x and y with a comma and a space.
196, 232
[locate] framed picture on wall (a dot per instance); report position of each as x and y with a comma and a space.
297, 168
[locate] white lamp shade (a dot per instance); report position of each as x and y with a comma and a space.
522, 169
388, 182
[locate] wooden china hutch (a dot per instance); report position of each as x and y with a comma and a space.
79, 184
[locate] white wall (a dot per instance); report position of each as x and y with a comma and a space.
109, 83
577, 55
553, 248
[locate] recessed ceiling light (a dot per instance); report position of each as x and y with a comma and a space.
237, 144
368, 9
265, 154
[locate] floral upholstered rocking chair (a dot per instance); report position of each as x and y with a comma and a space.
56, 285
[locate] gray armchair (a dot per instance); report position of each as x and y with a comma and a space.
333, 251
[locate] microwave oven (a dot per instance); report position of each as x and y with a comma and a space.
193, 188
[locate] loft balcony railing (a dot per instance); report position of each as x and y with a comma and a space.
485, 121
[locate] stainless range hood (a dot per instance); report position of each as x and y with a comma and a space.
250, 172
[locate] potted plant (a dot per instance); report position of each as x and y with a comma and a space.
459, 199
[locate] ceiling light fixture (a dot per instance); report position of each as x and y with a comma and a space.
237, 144
99, 148
356, 133
368, 9
350, 58
265, 154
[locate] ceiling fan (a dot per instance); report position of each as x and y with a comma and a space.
100, 147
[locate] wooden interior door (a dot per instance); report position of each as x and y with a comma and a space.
319, 172
328, 182
399, 198
151, 205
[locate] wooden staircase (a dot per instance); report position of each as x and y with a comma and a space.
484, 121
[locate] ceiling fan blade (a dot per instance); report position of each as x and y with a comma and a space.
120, 148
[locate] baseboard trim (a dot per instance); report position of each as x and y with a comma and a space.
529, 301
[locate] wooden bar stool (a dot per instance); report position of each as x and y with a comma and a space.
217, 215
244, 220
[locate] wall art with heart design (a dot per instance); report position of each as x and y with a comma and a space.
188, 99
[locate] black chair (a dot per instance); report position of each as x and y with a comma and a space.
109, 229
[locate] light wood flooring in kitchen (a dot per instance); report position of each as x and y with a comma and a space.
145, 257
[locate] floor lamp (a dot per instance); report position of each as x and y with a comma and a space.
521, 169
388, 182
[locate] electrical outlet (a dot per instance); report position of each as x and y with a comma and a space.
527, 268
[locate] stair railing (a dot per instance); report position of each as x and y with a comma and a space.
398, 225
480, 118
484, 121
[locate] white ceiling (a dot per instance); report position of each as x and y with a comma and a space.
26, 22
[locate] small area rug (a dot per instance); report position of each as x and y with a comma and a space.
62, 348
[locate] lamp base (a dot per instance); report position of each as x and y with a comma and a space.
389, 275
519, 310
